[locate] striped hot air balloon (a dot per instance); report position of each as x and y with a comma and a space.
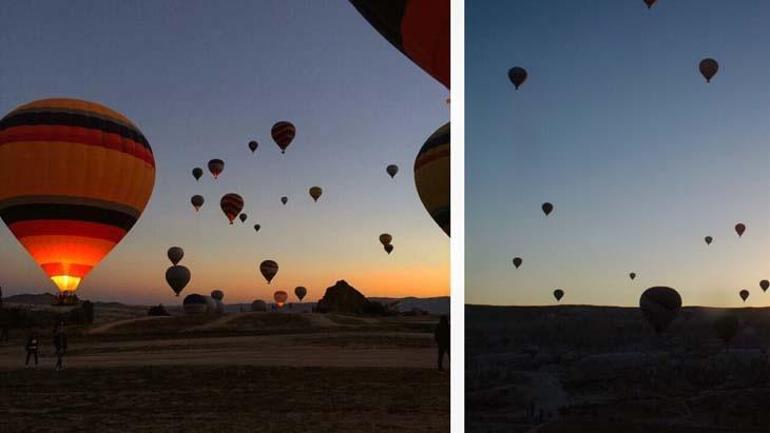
232, 205
417, 28
74, 178
280, 297
431, 176
283, 133
216, 167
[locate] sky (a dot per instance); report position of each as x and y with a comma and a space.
617, 128
201, 79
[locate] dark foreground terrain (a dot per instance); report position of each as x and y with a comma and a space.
603, 369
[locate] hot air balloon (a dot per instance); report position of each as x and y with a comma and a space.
216, 166
744, 294
197, 202
196, 304
197, 172
284, 200
388, 248
558, 294
547, 208
283, 133
280, 298
708, 68
660, 306
300, 292
392, 170
764, 284
217, 294
253, 146
243, 217
726, 327
258, 305
268, 268
419, 29
231, 205
74, 178
257, 227
177, 277
386, 238
517, 262
740, 228
315, 192
708, 240
649, 3
175, 254
632, 275
517, 75
431, 176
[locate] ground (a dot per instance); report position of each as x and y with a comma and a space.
242, 372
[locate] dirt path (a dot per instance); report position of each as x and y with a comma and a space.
108, 326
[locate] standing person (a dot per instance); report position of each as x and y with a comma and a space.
60, 344
32, 343
442, 339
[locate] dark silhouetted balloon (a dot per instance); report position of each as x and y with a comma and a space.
740, 228
268, 268
197, 172
217, 294
177, 277
632, 275
280, 298
744, 294
284, 200
708, 240
386, 238
517, 75
175, 254
283, 133
232, 205
257, 227
558, 294
300, 292
259, 305
243, 217
547, 208
649, 3
660, 306
388, 248
216, 166
764, 284
253, 145
197, 304
315, 192
517, 261
726, 327
708, 68
197, 202
392, 170
431, 176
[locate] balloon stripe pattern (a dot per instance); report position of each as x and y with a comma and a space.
283, 134
74, 178
431, 176
231, 204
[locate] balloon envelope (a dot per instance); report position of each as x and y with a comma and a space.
547, 208
231, 205
197, 201
243, 217
649, 3
177, 277
284, 199
386, 238
388, 248
217, 294
517, 261
74, 178
253, 145
392, 170
175, 254
740, 228
558, 294
300, 292
708, 240
660, 306
216, 166
280, 298
431, 176
197, 172
257, 227
764, 284
268, 268
708, 68
517, 75
315, 192
744, 294
283, 133
632, 275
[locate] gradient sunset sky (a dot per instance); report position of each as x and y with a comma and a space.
201, 79
616, 127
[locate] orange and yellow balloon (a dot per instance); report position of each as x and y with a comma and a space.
74, 178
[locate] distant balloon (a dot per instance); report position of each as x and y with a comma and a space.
284, 200
708, 68
431, 176
388, 248
257, 227
253, 145
660, 306
517, 261
280, 298
175, 254
764, 284
258, 305
547, 208
243, 217
268, 268
740, 228
231, 205
727, 327
300, 292
283, 133
197, 172
649, 3
632, 275
177, 277
708, 240
744, 294
216, 166
315, 192
218, 295
197, 202
392, 170
517, 75
558, 294
386, 239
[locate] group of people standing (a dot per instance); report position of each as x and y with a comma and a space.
59, 343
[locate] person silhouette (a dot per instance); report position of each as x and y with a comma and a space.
31, 347
60, 344
441, 336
